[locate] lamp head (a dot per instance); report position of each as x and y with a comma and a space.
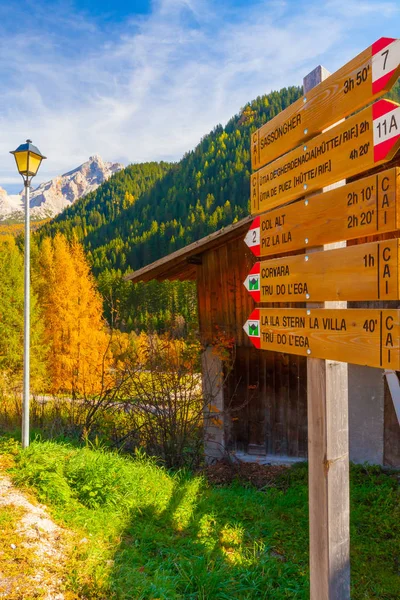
28, 158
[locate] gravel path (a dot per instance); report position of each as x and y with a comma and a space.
46, 542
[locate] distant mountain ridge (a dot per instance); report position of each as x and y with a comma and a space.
52, 197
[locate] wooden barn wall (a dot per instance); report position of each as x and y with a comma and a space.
266, 402
223, 301
266, 392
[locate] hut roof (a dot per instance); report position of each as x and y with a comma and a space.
181, 264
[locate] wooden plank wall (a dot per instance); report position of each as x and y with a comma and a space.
223, 301
266, 392
266, 400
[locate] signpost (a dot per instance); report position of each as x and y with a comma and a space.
362, 142
351, 273
364, 337
296, 155
365, 207
362, 80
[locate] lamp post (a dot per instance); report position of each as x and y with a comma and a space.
28, 159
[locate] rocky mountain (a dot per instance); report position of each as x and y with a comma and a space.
52, 197
9, 204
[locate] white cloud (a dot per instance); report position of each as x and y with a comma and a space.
352, 8
162, 81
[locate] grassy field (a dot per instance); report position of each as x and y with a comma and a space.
142, 533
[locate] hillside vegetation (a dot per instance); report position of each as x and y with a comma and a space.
69, 338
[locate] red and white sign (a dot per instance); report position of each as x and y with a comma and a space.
252, 282
386, 127
385, 60
253, 329
252, 238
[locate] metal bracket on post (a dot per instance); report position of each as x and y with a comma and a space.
394, 388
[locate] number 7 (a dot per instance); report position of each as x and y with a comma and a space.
385, 54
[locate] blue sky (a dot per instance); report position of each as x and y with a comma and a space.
137, 81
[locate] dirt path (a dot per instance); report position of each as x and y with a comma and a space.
32, 548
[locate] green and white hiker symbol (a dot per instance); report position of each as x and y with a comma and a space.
254, 283
254, 328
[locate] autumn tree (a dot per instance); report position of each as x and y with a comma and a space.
74, 326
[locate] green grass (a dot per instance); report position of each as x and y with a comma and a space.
145, 534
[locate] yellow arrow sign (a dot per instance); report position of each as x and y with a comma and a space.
362, 80
364, 207
329, 275
363, 337
363, 141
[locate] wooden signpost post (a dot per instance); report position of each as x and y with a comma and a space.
363, 337
331, 335
361, 142
365, 207
353, 273
365, 78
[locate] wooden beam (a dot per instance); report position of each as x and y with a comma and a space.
394, 388
328, 460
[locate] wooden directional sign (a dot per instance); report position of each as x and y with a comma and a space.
363, 79
363, 141
364, 337
364, 272
365, 207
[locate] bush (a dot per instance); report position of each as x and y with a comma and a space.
44, 471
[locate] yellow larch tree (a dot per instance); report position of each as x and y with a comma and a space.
75, 330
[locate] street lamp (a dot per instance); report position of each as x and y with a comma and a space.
28, 159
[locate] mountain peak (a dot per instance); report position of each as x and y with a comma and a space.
52, 197
96, 158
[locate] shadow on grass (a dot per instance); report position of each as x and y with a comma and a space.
238, 543
221, 543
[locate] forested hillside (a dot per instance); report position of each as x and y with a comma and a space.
128, 222
151, 209
100, 208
